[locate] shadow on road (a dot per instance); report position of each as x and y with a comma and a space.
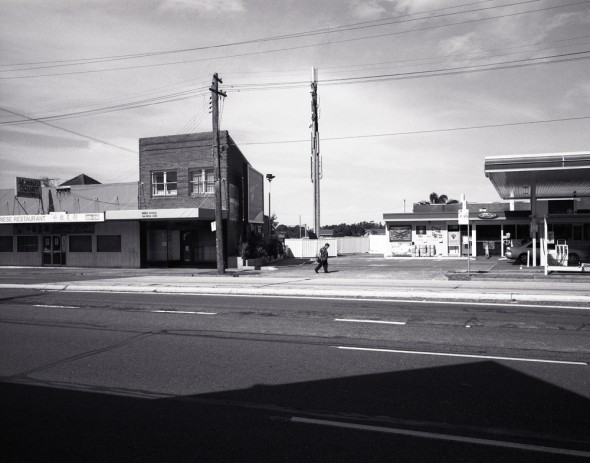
483, 399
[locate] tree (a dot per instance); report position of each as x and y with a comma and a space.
442, 199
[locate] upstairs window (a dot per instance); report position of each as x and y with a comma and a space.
202, 181
164, 183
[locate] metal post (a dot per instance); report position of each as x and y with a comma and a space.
468, 249
269, 177
315, 150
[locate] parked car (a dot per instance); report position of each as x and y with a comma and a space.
520, 252
578, 251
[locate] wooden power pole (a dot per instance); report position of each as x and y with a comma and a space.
215, 94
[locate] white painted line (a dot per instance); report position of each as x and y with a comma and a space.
447, 437
444, 354
354, 320
56, 306
183, 312
513, 303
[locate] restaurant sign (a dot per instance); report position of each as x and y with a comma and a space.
53, 218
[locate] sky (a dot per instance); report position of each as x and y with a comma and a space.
413, 94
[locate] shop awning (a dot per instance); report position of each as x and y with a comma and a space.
556, 175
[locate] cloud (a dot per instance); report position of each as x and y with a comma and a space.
214, 7
458, 44
368, 8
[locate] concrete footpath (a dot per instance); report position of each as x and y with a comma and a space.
349, 277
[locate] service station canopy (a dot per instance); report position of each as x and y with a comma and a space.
559, 175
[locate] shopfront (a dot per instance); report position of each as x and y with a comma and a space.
434, 231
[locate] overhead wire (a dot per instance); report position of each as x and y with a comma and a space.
260, 52
420, 132
73, 132
331, 29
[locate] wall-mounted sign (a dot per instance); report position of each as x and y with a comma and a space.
255, 196
487, 215
53, 218
28, 187
463, 216
176, 213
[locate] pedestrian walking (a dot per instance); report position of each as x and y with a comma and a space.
322, 258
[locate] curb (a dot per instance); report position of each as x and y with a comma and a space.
311, 293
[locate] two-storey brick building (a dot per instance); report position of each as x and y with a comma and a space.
178, 172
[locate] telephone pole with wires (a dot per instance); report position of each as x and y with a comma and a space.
316, 168
215, 95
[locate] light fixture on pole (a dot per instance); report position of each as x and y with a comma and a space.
269, 177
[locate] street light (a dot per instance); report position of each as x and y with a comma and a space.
269, 177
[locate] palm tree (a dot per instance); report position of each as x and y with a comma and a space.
442, 199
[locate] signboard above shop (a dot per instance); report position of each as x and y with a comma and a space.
28, 187
58, 217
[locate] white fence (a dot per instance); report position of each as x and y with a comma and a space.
306, 248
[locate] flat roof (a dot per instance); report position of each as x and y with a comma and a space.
556, 175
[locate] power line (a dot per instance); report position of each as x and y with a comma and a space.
340, 28
295, 47
559, 58
418, 132
71, 131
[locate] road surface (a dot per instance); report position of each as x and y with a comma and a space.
89, 377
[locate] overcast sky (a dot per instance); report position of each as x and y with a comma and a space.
413, 93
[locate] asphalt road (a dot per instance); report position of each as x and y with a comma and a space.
147, 377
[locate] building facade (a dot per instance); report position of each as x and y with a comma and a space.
165, 219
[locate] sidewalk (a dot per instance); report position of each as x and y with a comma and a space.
348, 278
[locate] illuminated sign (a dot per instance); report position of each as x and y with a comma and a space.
28, 187
487, 215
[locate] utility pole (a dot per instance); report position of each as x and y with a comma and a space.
316, 173
269, 177
215, 94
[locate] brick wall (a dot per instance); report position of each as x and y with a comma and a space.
180, 153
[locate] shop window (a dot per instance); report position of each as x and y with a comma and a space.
202, 181
81, 243
108, 243
6, 244
27, 243
164, 183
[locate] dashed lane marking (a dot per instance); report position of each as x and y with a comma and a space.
354, 320
56, 306
183, 312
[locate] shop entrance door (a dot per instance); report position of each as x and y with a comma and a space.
53, 251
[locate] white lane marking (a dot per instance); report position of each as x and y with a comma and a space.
445, 354
184, 312
56, 306
513, 304
354, 320
447, 437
